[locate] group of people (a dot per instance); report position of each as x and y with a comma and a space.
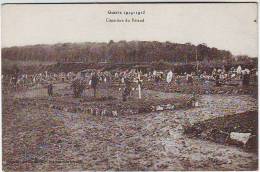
126, 78
133, 79
79, 84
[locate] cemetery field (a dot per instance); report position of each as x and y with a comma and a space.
105, 133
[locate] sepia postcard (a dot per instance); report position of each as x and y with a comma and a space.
130, 86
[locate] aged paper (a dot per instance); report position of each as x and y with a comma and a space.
129, 86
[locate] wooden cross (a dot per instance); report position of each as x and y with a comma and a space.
139, 81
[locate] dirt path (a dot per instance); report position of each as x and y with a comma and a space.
182, 153
155, 141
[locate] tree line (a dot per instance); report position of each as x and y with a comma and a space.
117, 52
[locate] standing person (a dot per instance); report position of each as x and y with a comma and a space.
94, 82
74, 87
50, 90
77, 88
15, 76
127, 89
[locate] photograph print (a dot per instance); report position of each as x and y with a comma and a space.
130, 87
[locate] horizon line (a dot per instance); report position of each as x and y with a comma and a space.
52, 44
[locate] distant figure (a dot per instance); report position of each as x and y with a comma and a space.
127, 89
94, 82
78, 87
50, 90
74, 86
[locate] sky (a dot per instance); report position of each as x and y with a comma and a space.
229, 26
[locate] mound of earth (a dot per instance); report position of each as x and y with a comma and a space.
219, 129
202, 88
108, 106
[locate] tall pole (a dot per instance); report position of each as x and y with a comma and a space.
196, 59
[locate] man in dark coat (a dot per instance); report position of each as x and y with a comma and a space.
94, 82
50, 90
127, 89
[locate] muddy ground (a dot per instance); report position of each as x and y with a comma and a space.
219, 129
39, 137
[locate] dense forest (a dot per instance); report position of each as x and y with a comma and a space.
117, 52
